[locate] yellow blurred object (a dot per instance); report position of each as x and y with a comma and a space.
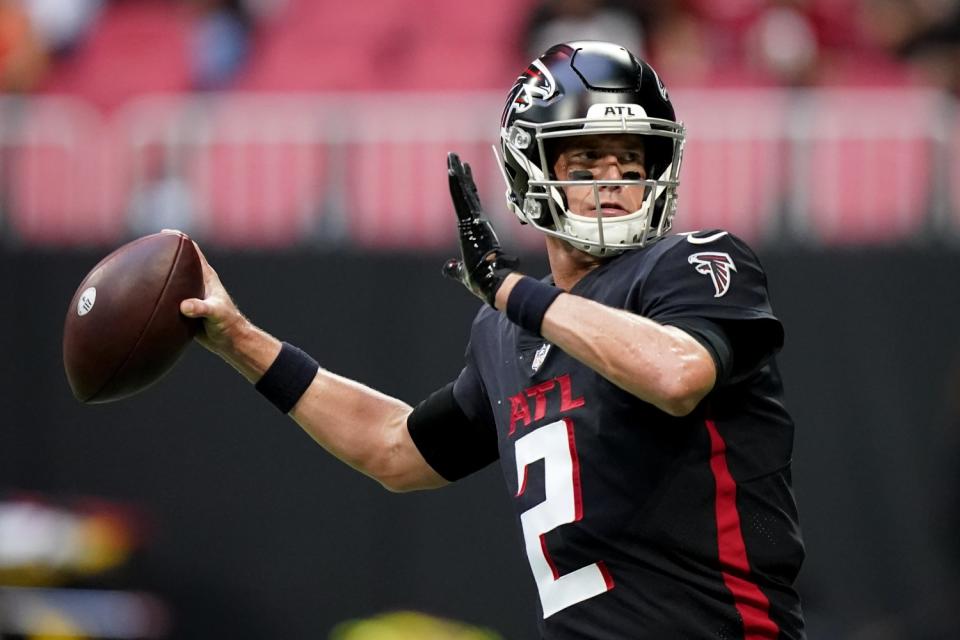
104, 542
53, 625
409, 625
51, 544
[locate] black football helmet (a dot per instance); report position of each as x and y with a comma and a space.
583, 89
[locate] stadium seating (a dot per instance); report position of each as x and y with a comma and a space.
337, 129
137, 47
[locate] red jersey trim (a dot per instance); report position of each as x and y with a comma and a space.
752, 605
577, 498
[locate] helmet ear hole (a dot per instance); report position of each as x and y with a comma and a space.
659, 155
552, 148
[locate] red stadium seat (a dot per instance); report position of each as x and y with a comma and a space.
137, 47
386, 45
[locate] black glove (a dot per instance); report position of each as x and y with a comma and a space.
481, 267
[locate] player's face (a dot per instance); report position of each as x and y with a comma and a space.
602, 157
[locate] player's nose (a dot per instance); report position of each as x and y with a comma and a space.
610, 170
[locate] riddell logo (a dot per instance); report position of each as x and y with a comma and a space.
718, 266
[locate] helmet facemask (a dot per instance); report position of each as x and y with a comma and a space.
527, 149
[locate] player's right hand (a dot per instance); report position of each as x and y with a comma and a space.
220, 315
482, 266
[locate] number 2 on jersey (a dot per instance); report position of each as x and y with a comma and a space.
554, 443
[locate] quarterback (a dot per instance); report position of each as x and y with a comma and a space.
631, 396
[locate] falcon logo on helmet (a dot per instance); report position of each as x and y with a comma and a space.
718, 266
536, 82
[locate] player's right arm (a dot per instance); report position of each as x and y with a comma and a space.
362, 427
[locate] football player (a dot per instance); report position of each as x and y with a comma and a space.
631, 396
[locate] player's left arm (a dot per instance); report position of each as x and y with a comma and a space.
699, 318
659, 364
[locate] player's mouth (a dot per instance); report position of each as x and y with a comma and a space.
612, 209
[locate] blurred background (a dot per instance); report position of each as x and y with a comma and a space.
303, 143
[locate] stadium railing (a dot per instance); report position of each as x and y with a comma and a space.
862, 166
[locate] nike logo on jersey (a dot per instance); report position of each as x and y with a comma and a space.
718, 266
693, 239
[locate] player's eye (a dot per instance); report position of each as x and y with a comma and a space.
581, 174
590, 155
632, 175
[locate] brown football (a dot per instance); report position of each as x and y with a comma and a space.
124, 329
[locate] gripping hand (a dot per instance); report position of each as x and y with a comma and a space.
482, 266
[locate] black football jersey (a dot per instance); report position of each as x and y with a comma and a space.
638, 524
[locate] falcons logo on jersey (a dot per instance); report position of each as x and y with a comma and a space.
717, 265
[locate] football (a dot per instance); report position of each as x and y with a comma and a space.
124, 329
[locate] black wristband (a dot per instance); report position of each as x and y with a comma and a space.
529, 301
288, 377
